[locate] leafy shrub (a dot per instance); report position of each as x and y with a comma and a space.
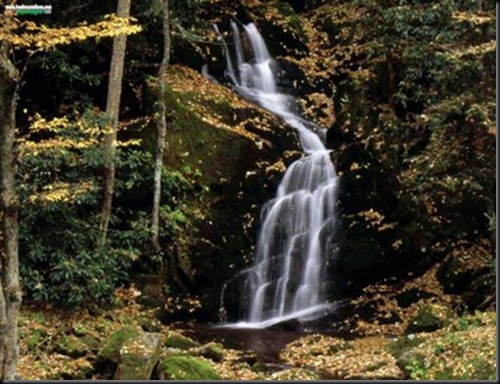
63, 257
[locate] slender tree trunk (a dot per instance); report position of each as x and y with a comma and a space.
161, 125
10, 292
112, 110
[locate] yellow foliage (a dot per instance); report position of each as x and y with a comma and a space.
62, 192
27, 34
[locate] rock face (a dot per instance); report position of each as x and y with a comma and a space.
236, 153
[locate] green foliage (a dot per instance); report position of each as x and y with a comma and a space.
420, 103
63, 259
68, 74
475, 320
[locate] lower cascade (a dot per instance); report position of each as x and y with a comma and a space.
287, 278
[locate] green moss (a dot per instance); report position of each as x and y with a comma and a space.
111, 349
71, 346
37, 338
213, 351
179, 341
427, 319
186, 368
402, 344
138, 357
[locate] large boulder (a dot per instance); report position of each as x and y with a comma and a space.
179, 341
129, 354
138, 357
110, 351
179, 367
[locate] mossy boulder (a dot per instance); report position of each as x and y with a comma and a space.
110, 352
138, 357
178, 367
429, 318
213, 351
179, 341
72, 346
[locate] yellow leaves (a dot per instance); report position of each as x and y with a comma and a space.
61, 192
473, 18
474, 50
372, 215
365, 357
30, 35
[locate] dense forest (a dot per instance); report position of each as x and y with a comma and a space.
135, 176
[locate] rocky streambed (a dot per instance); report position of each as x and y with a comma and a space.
424, 340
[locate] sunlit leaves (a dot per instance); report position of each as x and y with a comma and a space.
27, 34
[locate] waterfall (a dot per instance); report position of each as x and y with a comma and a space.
288, 273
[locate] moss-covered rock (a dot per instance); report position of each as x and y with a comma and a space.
72, 346
179, 341
429, 318
213, 351
138, 357
177, 367
110, 351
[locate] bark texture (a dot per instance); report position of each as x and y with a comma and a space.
10, 292
161, 125
112, 110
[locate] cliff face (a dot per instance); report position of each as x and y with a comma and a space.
407, 93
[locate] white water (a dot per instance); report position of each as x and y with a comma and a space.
287, 277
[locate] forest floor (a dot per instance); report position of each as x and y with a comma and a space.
425, 343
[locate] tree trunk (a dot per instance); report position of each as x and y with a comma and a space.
10, 292
112, 111
161, 126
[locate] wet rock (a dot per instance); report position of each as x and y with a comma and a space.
177, 367
138, 357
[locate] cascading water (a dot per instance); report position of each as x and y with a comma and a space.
287, 276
